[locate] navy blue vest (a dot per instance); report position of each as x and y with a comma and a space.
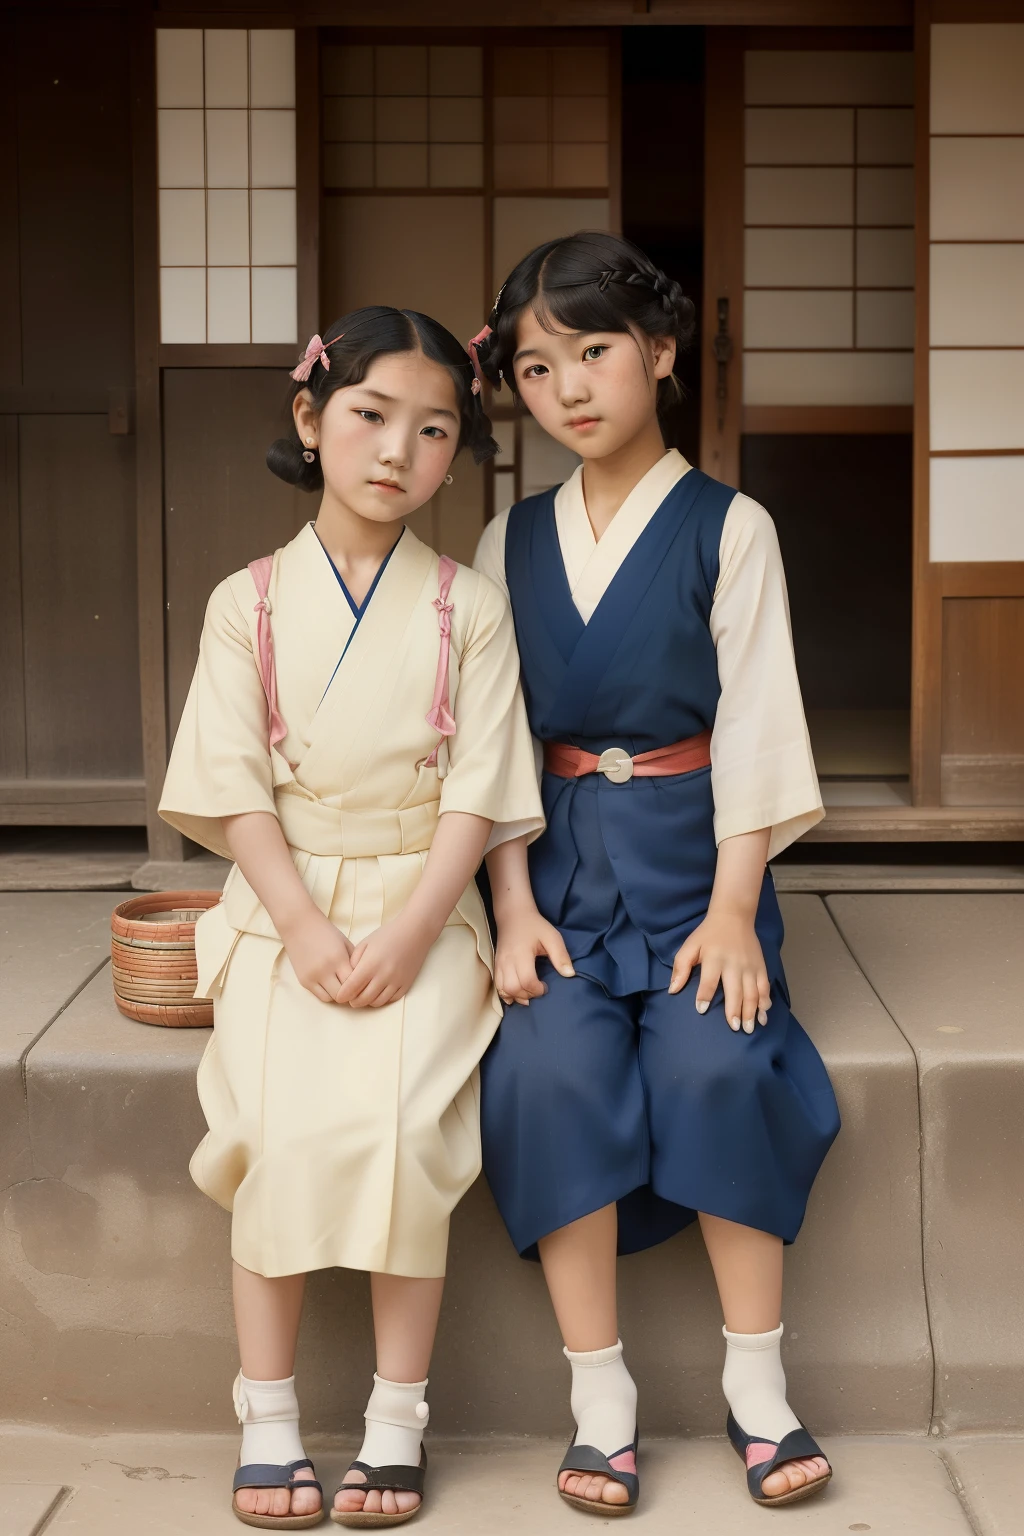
626, 870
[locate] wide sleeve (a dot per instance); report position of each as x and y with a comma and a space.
491, 769
490, 552
220, 764
762, 770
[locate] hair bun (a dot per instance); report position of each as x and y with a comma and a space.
284, 459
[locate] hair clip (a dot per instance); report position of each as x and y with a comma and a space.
317, 348
604, 280
471, 348
475, 387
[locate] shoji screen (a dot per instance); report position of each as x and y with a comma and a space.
973, 579
977, 293
226, 142
828, 316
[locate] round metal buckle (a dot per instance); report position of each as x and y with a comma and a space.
616, 765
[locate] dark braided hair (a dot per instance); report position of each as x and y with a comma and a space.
587, 282
352, 344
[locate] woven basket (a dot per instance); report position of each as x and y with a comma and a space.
153, 958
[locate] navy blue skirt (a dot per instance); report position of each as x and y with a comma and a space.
609, 1089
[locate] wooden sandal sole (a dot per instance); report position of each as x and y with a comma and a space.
278, 1522
361, 1520
596, 1506
796, 1494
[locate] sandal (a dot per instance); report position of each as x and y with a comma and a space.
265, 1475
587, 1458
798, 1445
398, 1479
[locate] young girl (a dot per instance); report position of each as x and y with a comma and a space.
354, 738
647, 1083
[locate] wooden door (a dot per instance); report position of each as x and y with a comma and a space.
70, 733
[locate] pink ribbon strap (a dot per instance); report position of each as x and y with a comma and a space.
471, 348
440, 715
260, 571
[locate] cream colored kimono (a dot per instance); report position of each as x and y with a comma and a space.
341, 1137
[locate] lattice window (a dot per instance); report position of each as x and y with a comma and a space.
829, 210
403, 116
550, 118
226, 141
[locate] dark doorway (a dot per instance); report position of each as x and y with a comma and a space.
663, 173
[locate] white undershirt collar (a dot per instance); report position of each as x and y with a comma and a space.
590, 564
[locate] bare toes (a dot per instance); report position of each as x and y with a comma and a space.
614, 1493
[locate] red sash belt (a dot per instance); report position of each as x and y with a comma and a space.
617, 765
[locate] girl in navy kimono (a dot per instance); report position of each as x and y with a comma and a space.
652, 1072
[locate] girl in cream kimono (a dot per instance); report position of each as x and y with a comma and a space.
354, 739
648, 1084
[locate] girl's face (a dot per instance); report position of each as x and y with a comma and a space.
385, 444
592, 392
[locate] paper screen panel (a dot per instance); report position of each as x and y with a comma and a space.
828, 378
819, 179
977, 398
226, 174
977, 508
977, 295
977, 78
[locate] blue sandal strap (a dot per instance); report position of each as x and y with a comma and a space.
798, 1445
262, 1474
587, 1458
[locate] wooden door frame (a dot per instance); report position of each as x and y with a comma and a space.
932, 582
937, 581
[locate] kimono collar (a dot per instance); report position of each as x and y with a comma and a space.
590, 565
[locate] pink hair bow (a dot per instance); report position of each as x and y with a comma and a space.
471, 348
316, 349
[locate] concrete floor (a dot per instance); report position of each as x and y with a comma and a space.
145, 1485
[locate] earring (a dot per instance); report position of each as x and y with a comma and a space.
449, 479
308, 454
309, 442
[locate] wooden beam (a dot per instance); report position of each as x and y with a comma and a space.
548, 13
72, 802
308, 179
230, 354
817, 419
14, 735
723, 254
926, 621
981, 578
164, 842
918, 824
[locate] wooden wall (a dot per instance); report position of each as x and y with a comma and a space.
70, 743
222, 505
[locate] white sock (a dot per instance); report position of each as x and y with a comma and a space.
396, 1417
603, 1398
754, 1384
268, 1412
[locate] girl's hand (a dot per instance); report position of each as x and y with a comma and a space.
725, 947
320, 954
385, 965
522, 936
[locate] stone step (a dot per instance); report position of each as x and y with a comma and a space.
120, 1485
114, 1273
